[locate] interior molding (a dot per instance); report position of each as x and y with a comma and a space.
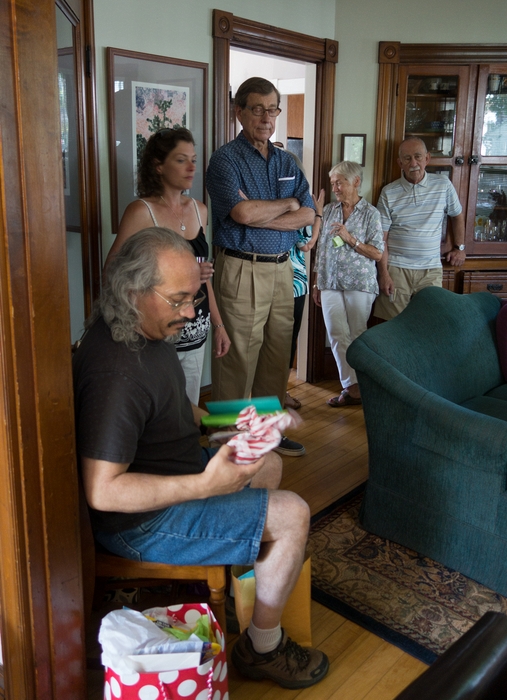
231, 31
453, 53
274, 40
92, 170
396, 52
385, 125
389, 52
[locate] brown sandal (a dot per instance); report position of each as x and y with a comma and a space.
345, 399
291, 402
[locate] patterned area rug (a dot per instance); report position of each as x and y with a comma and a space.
408, 600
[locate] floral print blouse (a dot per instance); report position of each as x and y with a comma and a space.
343, 268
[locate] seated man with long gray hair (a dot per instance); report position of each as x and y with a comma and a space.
154, 493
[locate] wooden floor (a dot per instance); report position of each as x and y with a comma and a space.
362, 666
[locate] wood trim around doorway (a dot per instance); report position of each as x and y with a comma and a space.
231, 31
42, 623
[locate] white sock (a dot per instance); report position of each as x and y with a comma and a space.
264, 641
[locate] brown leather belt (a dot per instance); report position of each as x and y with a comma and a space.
255, 257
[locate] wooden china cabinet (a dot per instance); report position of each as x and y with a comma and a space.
454, 97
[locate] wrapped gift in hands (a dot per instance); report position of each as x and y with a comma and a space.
259, 433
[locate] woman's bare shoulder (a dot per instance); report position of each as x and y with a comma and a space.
138, 205
203, 211
135, 217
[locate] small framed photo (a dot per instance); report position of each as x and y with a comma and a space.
354, 148
147, 93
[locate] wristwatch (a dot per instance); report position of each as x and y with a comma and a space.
460, 247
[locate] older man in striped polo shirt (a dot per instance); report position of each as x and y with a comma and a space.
412, 211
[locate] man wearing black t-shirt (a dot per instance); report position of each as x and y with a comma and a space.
153, 492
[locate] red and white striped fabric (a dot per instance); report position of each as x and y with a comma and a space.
260, 434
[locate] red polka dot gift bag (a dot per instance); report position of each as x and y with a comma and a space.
138, 666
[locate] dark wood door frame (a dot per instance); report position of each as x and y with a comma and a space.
231, 31
42, 623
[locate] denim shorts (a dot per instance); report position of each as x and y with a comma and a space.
218, 530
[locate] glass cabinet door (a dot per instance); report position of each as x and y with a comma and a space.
494, 130
488, 176
490, 222
432, 105
430, 112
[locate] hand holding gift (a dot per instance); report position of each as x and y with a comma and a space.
259, 434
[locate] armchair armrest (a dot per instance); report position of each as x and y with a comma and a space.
444, 428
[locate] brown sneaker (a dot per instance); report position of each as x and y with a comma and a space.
289, 665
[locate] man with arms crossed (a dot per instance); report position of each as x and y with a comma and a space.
154, 493
412, 211
260, 199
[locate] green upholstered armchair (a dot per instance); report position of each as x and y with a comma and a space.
435, 406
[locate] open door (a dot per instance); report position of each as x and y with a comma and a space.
42, 624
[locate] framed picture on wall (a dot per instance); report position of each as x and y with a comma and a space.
354, 148
147, 93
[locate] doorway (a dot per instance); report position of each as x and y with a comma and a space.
231, 32
295, 127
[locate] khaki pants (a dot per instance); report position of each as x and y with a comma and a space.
256, 302
407, 283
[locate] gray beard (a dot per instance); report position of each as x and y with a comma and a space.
171, 339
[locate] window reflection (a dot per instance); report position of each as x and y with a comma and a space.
64, 130
494, 131
68, 98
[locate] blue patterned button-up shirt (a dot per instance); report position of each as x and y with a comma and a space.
239, 166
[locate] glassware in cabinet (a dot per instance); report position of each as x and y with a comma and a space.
430, 111
491, 204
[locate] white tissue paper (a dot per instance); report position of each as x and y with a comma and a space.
133, 644
124, 632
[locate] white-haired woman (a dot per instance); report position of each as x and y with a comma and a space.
350, 243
